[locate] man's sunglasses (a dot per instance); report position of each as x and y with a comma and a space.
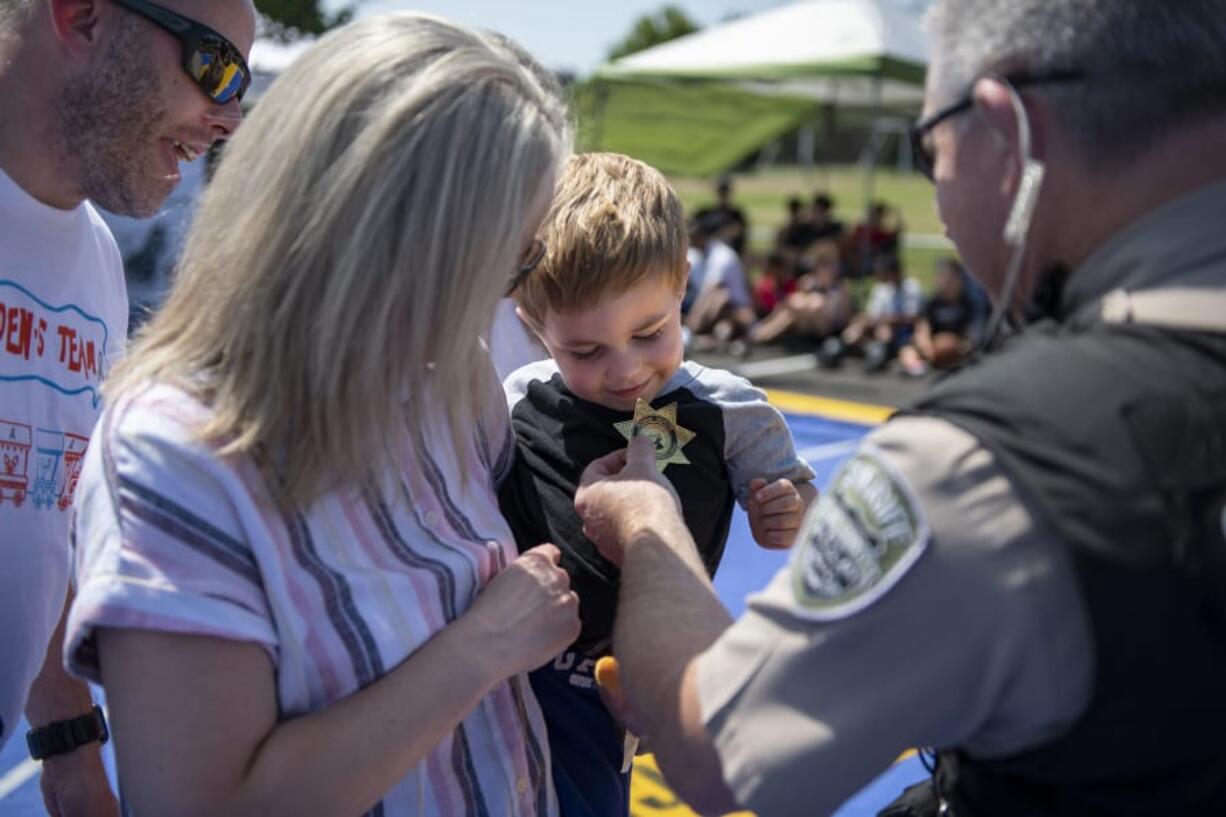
922, 147
215, 64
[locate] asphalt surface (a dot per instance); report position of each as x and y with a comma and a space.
795, 368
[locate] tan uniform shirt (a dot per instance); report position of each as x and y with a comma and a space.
923, 605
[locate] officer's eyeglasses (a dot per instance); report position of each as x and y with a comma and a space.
922, 146
531, 258
212, 61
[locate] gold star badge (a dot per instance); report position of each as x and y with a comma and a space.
659, 426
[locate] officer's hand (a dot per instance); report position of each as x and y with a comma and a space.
620, 492
775, 512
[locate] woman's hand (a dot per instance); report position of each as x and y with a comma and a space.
527, 614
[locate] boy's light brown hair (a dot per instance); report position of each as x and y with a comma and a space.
615, 222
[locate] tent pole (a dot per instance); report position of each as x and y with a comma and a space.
830, 128
865, 249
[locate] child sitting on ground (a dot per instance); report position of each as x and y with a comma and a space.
942, 336
606, 303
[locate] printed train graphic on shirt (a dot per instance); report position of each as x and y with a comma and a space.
40, 465
63, 349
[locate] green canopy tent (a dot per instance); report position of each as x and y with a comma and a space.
701, 103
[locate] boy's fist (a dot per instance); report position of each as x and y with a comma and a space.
775, 512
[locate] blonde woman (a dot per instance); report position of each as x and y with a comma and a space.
293, 578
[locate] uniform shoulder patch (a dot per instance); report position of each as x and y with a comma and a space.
861, 537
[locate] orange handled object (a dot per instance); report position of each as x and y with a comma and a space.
608, 678
607, 675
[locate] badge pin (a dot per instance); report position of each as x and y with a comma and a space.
659, 426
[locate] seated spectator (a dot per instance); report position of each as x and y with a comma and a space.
819, 307
943, 332
776, 281
717, 300
876, 236
822, 223
887, 322
795, 237
734, 227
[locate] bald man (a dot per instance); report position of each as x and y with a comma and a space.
100, 101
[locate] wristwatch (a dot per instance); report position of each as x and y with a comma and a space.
61, 737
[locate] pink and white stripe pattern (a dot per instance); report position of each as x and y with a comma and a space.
169, 537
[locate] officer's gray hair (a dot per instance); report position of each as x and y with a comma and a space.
10, 11
1150, 66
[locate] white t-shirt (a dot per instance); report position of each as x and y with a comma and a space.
719, 266
888, 300
63, 322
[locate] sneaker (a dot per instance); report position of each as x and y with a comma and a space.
830, 353
876, 356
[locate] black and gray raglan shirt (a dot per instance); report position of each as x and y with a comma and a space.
738, 437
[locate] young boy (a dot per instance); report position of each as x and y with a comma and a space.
606, 302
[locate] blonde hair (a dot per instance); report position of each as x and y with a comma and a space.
350, 250
614, 222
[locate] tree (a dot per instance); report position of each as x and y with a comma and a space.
652, 29
287, 20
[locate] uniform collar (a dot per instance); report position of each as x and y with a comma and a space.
1181, 243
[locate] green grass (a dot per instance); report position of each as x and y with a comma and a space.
763, 195
683, 128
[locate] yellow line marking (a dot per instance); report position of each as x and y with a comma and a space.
864, 413
650, 795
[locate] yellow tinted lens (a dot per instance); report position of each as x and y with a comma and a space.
231, 80
221, 78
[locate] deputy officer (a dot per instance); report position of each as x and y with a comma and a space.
1024, 569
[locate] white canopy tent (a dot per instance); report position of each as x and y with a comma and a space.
862, 53
865, 54
870, 55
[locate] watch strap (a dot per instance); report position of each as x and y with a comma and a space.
62, 737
